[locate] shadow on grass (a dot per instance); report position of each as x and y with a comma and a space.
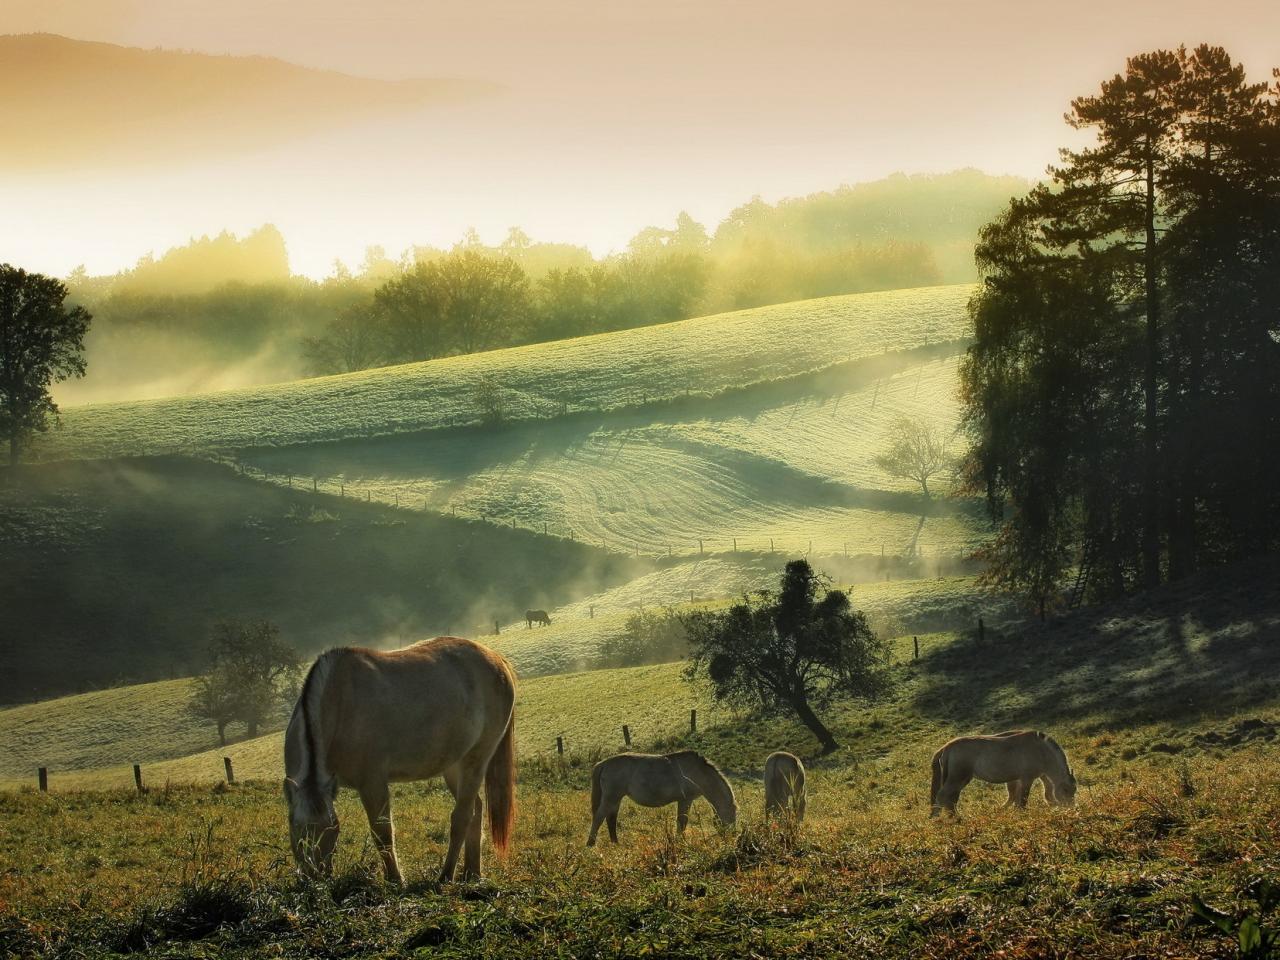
1208, 645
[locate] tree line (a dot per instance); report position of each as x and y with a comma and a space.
1122, 389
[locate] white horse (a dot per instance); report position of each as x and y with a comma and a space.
1016, 758
655, 780
784, 784
366, 718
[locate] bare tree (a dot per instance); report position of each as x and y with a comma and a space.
917, 451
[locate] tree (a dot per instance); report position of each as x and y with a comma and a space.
252, 671
794, 650
1121, 386
349, 343
41, 343
215, 698
917, 451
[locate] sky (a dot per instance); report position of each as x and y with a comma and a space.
606, 116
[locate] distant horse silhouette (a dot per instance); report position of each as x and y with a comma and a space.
655, 780
368, 717
784, 785
1017, 758
536, 616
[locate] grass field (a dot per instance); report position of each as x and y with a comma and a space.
1165, 704
705, 356
786, 469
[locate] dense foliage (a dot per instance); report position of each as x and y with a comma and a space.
793, 650
1122, 388
41, 341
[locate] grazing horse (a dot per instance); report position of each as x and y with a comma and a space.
1017, 758
536, 616
366, 718
784, 785
655, 780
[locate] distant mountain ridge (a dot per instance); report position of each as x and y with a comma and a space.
76, 100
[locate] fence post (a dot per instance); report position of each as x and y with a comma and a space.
544, 528
291, 481
560, 746
397, 499
626, 735
137, 776
231, 775
591, 612
771, 546
693, 720
916, 643
699, 546
496, 630
691, 596
314, 485
735, 544
43, 776
637, 548
342, 489
982, 631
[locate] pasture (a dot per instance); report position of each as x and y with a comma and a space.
1176, 802
704, 356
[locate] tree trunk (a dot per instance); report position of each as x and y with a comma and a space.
1150, 425
810, 720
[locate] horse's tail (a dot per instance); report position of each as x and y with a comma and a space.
939, 775
500, 789
595, 788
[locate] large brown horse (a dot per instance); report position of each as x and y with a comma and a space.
366, 718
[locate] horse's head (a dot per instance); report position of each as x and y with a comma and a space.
313, 824
720, 794
1064, 790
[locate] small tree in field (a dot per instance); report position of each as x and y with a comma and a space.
252, 672
917, 451
41, 342
795, 650
215, 699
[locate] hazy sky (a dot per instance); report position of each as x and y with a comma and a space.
614, 115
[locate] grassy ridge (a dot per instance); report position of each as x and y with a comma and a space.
707, 355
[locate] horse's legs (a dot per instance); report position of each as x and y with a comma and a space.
612, 820
607, 812
377, 806
469, 774
1017, 793
682, 814
471, 850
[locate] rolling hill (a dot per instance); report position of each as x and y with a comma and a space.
703, 357
146, 108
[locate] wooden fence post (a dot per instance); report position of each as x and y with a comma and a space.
591, 612
43, 776
315, 485
771, 546
693, 720
560, 746
496, 630
916, 643
699, 546
735, 544
982, 631
137, 776
231, 776
544, 528
626, 735
342, 489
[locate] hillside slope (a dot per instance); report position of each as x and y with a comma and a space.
703, 356
147, 107
115, 570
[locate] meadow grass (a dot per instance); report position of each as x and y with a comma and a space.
705, 356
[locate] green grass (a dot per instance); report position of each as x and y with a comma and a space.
1177, 800
791, 468
708, 355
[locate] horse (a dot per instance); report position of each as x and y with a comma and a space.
784, 785
1016, 758
655, 780
536, 616
366, 718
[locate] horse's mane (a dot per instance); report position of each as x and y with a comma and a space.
694, 755
313, 688
1049, 741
